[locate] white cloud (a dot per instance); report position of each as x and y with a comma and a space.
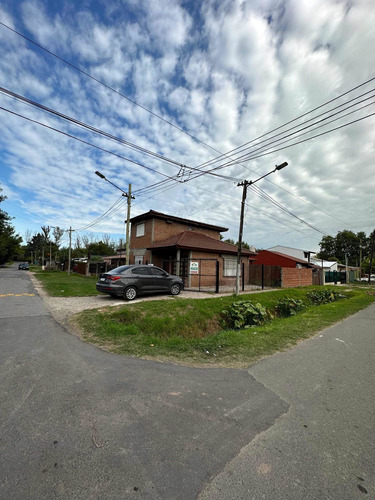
226, 72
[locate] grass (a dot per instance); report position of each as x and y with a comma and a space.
192, 330
59, 284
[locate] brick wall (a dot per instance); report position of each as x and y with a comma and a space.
164, 230
291, 278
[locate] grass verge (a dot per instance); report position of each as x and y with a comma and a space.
59, 284
191, 330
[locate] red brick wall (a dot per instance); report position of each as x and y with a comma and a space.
291, 278
164, 230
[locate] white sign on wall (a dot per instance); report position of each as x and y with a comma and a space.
194, 267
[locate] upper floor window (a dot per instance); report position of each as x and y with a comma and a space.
140, 229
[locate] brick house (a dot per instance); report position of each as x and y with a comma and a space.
272, 258
294, 271
186, 247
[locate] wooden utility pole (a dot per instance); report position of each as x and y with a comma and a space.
70, 248
129, 197
371, 256
244, 194
238, 269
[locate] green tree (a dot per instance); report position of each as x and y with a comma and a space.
345, 243
10, 242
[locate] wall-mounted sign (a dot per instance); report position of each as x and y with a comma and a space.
194, 267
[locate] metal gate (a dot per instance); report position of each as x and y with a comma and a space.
201, 275
335, 276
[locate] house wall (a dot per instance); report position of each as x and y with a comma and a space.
164, 230
291, 278
208, 270
158, 230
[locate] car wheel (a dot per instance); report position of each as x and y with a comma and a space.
130, 293
175, 289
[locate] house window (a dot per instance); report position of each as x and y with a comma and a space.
230, 266
140, 229
138, 259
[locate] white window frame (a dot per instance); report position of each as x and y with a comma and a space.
140, 230
230, 266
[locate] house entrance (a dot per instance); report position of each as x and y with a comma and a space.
200, 275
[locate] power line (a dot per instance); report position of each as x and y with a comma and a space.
105, 85
81, 124
85, 142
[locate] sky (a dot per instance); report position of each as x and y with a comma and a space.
190, 82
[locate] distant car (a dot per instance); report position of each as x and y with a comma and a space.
24, 266
133, 280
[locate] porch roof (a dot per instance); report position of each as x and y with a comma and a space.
192, 240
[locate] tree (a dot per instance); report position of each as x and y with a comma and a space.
58, 234
345, 244
9, 241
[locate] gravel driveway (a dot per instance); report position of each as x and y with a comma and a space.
62, 308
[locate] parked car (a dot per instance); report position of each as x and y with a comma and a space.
130, 281
24, 266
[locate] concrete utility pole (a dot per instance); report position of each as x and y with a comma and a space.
244, 194
129, 196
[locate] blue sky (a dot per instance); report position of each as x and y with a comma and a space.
224, 73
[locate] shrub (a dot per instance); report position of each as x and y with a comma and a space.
288, 307
325, 296
243, 314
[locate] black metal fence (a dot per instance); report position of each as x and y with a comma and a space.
335, 277
197, 274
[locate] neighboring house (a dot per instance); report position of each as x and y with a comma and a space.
328, 265
177, 245
272, 258
305, 255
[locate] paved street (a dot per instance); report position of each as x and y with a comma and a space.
324, 447
77, 422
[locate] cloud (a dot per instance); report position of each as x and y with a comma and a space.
225, 72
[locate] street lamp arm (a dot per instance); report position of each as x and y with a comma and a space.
245, 184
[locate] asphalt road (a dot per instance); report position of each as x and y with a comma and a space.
324, 447
77, 422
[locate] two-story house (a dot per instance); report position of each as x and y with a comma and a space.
174, 243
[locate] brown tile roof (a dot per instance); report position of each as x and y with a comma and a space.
159, 215
197, 241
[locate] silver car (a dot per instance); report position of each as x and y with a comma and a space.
130, 281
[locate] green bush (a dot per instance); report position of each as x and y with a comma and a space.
325, 296
288, 307
243, 314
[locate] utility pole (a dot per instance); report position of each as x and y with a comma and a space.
238, 269
371, 256
244, 194
129, 196
346, 269
360, 259
70, 248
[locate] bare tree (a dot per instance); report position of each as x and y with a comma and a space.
46, 230
27, 236
57, 234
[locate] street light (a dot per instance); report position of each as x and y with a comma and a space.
244, 193
129, 197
